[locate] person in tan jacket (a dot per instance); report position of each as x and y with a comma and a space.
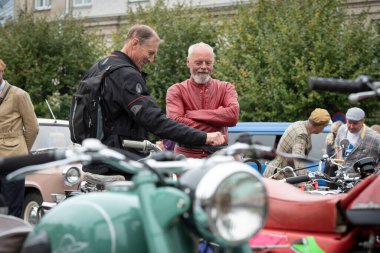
18, 131
297, 140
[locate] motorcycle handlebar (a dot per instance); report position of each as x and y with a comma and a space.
141, 145
11, 164
297, 179
338, 85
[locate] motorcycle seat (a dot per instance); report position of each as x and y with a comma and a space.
293, 209
102, 180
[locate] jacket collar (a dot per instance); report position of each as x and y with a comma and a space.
2, 85
5, 87
192, 82
362, 131
125, 57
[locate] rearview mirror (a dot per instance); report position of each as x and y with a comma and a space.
344, 143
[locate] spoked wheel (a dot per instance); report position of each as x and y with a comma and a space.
30, 210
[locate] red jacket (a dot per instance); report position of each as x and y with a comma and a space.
211, 107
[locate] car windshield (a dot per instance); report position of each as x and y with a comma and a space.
52, 136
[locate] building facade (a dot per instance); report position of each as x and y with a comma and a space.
107, 17
6, 10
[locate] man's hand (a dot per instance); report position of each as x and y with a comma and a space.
160, 144
215, 139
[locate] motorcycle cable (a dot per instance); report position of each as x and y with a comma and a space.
306, 167
161, 180
164, 156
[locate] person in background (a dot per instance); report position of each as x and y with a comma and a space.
18, 131
376, 128
166, 145
330, 147
297, 140
133, 113
202, 102
169, 144
363, 141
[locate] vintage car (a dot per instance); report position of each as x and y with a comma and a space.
41, 186
269, 134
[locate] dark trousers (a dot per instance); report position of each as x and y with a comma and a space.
13, 193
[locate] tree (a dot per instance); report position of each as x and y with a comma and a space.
273, 47
179, 27
47, 59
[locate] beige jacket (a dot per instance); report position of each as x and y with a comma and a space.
296, 140
18, 123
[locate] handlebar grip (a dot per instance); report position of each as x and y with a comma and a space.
10, 164
297, 179
140, 145
338, 85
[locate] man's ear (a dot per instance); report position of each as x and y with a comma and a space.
135, 41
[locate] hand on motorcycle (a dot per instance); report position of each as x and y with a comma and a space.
337, 162
215, 139
283, 173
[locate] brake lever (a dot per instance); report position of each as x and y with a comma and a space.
297, 157
260, 151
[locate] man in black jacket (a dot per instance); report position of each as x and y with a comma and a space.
130, 111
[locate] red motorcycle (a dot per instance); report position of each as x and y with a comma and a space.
346, 222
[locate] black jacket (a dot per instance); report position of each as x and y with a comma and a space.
131, 112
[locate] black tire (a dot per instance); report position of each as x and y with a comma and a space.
32, 201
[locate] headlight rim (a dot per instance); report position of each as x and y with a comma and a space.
229, 169
66, 173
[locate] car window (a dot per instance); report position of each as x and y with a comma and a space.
265, 139
271, 140
319, 145
52, 136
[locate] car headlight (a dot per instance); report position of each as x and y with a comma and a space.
71, 175
229, 202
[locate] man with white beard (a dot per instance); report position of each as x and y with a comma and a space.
202, 102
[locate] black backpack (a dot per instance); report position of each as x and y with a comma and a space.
86, 118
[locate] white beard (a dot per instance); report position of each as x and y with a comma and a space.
201, 78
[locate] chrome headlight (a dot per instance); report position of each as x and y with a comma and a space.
71, 175
230, 202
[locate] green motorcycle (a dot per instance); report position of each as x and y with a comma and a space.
218, 200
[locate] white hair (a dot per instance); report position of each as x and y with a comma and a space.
200, 44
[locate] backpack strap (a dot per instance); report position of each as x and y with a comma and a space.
5, 94
107, 116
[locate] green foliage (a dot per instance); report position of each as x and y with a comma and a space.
269, 49
47, 59
273, 47
179, 27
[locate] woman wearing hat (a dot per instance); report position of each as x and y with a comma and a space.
330, 147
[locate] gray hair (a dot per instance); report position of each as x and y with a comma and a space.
200, 44
142, 33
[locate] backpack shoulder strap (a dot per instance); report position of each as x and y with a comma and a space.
5, 94
108, 117
112, 68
